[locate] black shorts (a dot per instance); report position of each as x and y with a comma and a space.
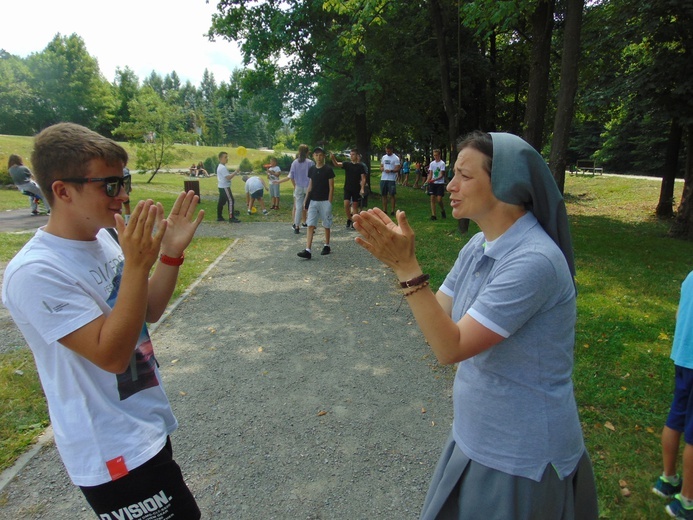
352, 195
154, 490
437, 190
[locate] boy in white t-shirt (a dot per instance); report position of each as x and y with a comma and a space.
81, 299
436, 184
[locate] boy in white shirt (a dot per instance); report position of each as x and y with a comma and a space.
82, 299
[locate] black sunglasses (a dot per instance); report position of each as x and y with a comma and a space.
112, 184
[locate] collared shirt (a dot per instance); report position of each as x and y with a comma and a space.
514, 405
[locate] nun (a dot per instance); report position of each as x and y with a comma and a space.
506, 314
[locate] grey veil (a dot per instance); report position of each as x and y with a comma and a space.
521, 176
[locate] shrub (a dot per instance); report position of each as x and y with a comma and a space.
5, 177
246, 165
284, 162
210, 164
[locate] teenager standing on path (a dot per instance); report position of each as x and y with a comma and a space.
319, 199
81, 300
506, 313
389, 166
224, 178
354, 183
298, 175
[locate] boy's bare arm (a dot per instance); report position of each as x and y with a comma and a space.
108, 341
180, 230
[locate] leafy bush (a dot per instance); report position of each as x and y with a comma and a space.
4, 173
5, 176
285, 161
210, 164
246, 165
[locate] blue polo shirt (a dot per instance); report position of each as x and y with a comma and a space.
514, 404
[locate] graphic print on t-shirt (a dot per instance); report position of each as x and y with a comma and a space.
141, 374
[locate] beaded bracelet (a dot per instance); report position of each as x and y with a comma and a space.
418, 288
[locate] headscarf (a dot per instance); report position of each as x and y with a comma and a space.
521, 176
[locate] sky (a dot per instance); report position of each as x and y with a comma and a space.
145, 35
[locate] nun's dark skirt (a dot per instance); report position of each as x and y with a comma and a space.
462, 489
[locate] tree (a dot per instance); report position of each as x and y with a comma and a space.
566, 96
126, 86
541, 24
70, 87
153, 130
16, 96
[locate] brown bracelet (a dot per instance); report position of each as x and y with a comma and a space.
415, 281
421, 286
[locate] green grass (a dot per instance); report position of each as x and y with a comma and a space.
23, 412
629, 274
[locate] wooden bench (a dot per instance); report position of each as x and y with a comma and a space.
586, 166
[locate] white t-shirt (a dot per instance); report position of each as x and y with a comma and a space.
53, 287
389, 162
222, 172
273, 173
438, 169
253, 184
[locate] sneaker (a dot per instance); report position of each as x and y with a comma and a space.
220, 219
249, 212
265, 212
305, 254
348, 223
325, 250
665, 489
303, 224
34, 212
296, 231
677, 510
392, 213
433, 217
442, 213
234, 220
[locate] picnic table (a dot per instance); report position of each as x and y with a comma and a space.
585, 166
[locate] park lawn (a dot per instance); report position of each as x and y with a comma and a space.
629, 274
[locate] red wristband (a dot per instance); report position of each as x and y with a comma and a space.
172, 261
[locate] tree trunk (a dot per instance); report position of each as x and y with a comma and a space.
682, 226
566, 95
490, 119
363, 138
665, 207
436, 13
451, 111
535, 112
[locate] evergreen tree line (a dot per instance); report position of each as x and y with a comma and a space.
63, 83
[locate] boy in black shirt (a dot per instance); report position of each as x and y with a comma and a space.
319, 201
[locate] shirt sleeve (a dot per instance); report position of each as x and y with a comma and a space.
61, 307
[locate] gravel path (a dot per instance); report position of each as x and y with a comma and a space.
300, 391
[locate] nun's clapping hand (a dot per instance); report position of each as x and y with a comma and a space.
391, 243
